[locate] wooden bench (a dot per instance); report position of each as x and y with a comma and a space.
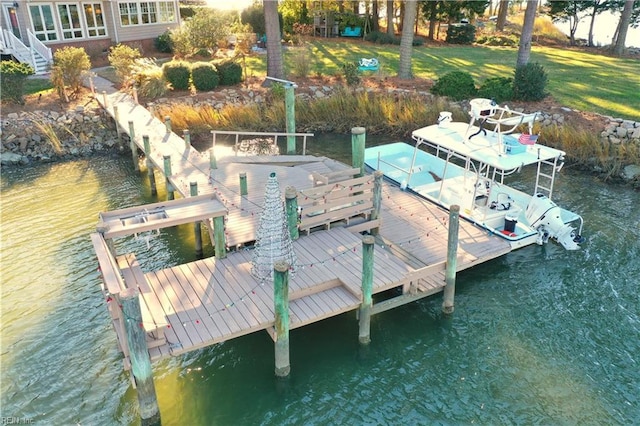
338, 202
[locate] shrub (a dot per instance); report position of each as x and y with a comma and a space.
204, 76
351, 74
163, 42
12, 81
457, 85
122, 58
177, 73
381, 38
148, 78
529, 82
181, 43
230, 73
461, 33
509, 40
254, 16
206, 27
301, 60
499, 89
69, 66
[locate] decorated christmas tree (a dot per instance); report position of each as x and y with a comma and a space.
273, 242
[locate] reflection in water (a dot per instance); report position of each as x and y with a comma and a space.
540, 335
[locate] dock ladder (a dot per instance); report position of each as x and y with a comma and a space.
546, 175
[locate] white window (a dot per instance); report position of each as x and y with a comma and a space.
147, 12
43, 26
129, 14
167, 12
95, 20
70, 21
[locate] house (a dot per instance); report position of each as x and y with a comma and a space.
33, 29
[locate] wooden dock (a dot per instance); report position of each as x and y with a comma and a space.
194, 305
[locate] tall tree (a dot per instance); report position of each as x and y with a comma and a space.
390, 29
375, 12
597, 7
275, 63
406, 41
524, 50
564, 11
623, 26
502, 15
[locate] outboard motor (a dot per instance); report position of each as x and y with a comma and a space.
545, 216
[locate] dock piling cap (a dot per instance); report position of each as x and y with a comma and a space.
358, 130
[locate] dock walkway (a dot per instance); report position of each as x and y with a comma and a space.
194, 305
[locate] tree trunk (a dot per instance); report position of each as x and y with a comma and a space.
390, 29
432, 20
594, 12
502, 15
524, 50
275, 64
406, 42
625, 18
375, 11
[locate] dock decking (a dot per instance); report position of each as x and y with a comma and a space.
194, 305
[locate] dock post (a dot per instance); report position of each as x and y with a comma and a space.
219, 240
135, 95
358, 138
281, 305
452, 260
147, 153
139, 357
212, 159
243, 184
104, 99
167, 174
197, 229
133, 146
364, 336
116, 118
290, 105
167, 123
377, 198
291, 203
186, 135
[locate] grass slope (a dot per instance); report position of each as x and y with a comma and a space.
580, 80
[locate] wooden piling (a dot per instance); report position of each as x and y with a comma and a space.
116, 118
212, 160
104, 98
452, 259
364, 336
243, 184
135, 95
133, 146
290, 104
377, 198
291, 204
167, 174
281, 305
358, 139
219, 239
167, 124
139, 357
197, 228
150, 173
186, 135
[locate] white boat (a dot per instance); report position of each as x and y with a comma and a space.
468, 164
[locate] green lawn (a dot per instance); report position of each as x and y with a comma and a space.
578, 80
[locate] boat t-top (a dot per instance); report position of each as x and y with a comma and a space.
465, 164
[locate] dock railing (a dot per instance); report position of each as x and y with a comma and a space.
274, 135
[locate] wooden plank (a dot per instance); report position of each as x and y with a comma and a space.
108, 268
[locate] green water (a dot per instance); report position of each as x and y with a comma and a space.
539, 336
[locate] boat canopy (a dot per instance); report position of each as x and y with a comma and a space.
490, 148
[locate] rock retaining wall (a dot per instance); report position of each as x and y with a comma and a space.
84, 131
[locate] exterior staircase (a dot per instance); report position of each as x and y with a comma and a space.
36, 54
